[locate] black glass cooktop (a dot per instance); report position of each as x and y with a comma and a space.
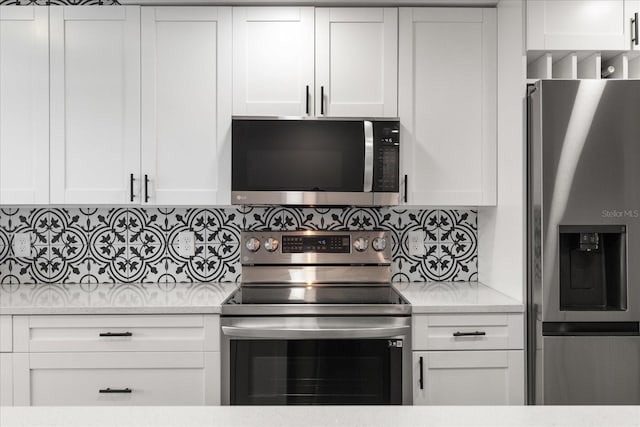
344, 294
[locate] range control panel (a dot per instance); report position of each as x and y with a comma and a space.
316, 247
338, 244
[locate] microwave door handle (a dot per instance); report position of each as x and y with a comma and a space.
368, 156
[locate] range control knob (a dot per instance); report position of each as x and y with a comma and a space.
271, 244
252, 244
379, 244
361, 244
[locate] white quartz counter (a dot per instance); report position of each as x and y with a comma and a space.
137, 298
207, 298
311, 416
456, 297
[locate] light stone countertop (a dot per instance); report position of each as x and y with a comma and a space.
207, 298
456, 297
137, 298
312, 416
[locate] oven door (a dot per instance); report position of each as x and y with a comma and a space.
316, 361
312, 162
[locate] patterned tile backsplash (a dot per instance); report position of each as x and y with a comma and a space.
127, 245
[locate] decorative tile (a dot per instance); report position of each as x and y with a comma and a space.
58, 2
112, 246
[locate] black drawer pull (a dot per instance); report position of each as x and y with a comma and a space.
115, 390
469, 334
421, 380
116, 334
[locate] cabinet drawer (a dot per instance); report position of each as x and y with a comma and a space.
6, 337
500, 331
99, 379
79, 333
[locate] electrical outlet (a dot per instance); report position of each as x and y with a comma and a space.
416, 243
186, 243
22, 245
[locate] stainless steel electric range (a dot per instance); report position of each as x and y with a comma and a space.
316, 321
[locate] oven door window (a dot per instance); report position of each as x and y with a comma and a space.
316, 372
297, 155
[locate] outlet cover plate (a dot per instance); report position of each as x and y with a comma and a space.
186, 244
416, 243
22, 245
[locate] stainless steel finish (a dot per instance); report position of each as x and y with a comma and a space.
317, 274
583, 170
312, 198
318, 328
252, 244
379, 244
286, 260
600, 370
368, 156
271, 244
318, 323
317, 310
361, 244
318, 118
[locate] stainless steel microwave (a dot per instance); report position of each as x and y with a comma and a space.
315, 161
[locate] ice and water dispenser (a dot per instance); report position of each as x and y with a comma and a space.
593, 267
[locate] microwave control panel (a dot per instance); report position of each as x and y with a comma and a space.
386, 146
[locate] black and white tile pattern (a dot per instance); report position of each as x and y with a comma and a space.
58, 2
139, 245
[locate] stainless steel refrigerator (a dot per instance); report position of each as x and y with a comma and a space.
584, 242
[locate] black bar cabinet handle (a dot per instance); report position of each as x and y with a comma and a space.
307, 101
322, 100
421, 379
634, 20
116, 334
469, 334
406, 185
131, 188
115, 390
146, 188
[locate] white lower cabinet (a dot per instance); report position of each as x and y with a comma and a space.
468, 359
6, 379
468, 377
98, 379
96, 360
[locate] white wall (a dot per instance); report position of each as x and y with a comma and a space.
502, 229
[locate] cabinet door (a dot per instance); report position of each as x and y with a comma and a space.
468, 377
24, 105
356, 62
95, 104
186, 110
632, 12
6, 379
273, 61
578, 25
82, 379
448, 105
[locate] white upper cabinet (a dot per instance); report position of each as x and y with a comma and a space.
24, 105
447, 105
581, 24
186, 105
273, 61
356, 62
95, 104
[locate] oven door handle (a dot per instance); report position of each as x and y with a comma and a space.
368, 156
288, 333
